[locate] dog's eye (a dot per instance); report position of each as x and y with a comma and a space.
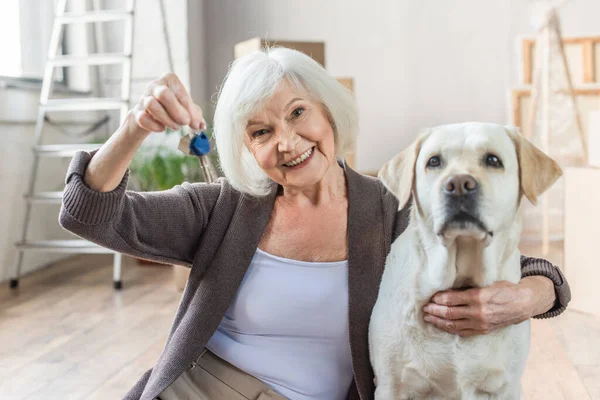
493, 161
434, 162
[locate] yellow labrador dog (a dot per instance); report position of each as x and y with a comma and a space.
467, 182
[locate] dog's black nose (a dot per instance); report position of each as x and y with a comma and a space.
460, 185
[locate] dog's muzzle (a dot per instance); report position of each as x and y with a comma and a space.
461, 193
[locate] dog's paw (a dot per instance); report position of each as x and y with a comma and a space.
494, 386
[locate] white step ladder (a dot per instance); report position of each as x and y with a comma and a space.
32, 197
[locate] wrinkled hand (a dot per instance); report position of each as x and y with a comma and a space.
479, 311
167, 103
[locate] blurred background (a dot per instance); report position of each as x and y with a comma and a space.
78, 322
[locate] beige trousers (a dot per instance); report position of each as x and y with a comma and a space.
212, 378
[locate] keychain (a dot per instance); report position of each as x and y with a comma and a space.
198, 144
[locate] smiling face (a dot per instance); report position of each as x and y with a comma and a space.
291, 138
467, 180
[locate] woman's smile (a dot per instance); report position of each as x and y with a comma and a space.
301, 160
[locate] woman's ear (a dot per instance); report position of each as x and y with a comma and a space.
537, 171
398, 174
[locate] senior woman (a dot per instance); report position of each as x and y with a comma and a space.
286, 252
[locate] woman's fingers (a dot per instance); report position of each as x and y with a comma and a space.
145, 120
167, 104
171, 104
462, 327
158, 112
194, 111
453, 326
452, 312
198, 122
455, 297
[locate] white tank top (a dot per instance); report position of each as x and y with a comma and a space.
288, 326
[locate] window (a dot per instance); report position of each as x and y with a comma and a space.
10, 27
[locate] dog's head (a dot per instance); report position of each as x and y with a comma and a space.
468, 179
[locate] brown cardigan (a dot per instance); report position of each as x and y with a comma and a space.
215, 230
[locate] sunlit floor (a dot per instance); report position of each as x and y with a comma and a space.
67, 334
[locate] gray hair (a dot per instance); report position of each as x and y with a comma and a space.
249, 84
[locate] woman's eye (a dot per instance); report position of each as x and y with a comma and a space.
493, 161
434, 161
259, 132
297, 112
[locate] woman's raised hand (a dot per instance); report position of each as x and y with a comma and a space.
167, 103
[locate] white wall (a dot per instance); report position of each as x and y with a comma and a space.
415, 63
18, 109
197, 47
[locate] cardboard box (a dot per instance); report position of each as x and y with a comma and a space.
316, 50
350, 156
347, 82
582, 231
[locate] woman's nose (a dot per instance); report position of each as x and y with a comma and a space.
288, 140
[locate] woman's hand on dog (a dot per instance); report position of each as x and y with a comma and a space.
479, 311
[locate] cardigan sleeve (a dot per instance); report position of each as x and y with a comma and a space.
162, 226
538, 266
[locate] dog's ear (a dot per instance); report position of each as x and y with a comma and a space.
398, 174
537, 171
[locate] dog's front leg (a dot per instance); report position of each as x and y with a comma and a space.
384, 389
495, 386
387, 390
405, 385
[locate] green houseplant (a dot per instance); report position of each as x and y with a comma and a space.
161, 166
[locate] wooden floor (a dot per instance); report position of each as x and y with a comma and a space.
67, 334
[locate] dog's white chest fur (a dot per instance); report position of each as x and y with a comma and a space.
415, 360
